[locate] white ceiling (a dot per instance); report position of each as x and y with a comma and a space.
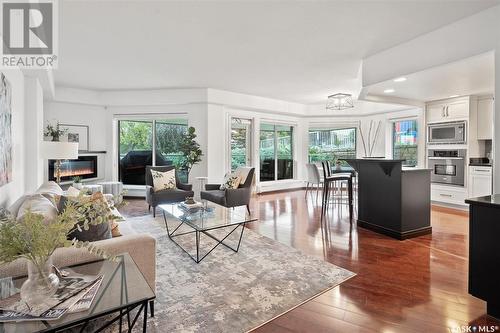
472, 76
290, 50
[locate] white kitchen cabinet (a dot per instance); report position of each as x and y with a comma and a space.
448, 194
448, 110
485, 118
480, 181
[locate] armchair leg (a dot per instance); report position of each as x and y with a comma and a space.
248, 209
149, 208
154, 211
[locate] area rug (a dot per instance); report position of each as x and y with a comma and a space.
227, 291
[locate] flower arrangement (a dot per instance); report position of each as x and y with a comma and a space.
54, 131
34, 238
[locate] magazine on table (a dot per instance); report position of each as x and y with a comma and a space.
72, 289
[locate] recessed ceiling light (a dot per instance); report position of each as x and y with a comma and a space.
400, 79
453, 96
389, 91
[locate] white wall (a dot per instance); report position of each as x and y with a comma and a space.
11, 191
210, 114
473, 35
34, 133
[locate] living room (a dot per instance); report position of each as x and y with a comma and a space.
313, 188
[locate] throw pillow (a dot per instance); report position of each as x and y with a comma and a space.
38, 204
51, 190
91, 207
163, 180
231, 181
14, 208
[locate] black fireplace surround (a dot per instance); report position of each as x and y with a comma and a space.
84, 167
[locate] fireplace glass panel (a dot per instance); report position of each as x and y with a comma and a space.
84, 167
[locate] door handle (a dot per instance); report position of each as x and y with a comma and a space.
447, 113
443, 114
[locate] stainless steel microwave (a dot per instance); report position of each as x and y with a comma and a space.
440, 133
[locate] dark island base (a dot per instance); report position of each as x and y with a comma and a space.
493, 310
393, 233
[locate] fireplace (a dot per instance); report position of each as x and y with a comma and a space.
84, 167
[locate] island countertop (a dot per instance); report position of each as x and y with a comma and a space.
489, 201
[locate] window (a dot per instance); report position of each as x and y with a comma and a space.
276, 152
136, 147
241, 153
332, 144
404, 142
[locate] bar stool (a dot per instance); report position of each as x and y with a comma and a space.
329, 180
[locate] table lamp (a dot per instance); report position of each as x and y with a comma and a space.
53, 150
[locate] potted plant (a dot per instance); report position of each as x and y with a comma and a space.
77, 182
191, 151
35, 238
54, 131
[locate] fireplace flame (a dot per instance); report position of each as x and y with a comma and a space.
75, 172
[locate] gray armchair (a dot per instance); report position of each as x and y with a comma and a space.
231, 197
165, 196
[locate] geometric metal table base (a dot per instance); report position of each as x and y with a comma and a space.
198, 233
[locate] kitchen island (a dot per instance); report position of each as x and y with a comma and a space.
393, 200
484, 251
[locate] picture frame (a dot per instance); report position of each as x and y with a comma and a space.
77, 133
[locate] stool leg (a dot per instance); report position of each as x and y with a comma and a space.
349, 197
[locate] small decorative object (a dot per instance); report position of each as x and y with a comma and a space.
54, 131
371, 140
338, 165
191, 151
339, 102
189, 201
34, 238
77, 182
78, 134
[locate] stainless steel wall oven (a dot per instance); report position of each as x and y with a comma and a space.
448, 166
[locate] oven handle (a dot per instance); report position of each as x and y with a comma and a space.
446, 158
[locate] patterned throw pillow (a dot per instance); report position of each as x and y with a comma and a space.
163, 180
231, 181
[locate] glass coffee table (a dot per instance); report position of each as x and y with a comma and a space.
206, 220
123, 289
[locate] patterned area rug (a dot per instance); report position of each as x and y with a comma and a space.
227, 291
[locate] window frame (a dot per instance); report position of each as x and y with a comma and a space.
332, 129
417, 139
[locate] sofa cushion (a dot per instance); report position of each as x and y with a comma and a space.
163, 180
216, 196
51, 190
170, 196
14, 208
38, 204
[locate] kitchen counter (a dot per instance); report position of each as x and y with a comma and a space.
488, 201
484, 251
480, 164
393, 200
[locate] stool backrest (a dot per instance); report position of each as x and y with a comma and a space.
326, 169
313, 173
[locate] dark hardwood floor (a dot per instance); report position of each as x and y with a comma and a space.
416, 285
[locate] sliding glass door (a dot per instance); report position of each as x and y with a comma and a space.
241, 143
137, 146
276, 152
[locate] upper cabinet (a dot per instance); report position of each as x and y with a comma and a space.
485, 118
448, 110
